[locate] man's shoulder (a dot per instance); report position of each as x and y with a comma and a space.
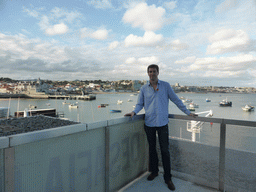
144, 86
164, 83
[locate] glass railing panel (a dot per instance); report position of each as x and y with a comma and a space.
240, 174
195, 152
1, 170
74, 162
128, 153
203, 132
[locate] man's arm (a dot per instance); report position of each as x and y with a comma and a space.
130, 114
139, 105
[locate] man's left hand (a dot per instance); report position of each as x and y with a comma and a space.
193, 115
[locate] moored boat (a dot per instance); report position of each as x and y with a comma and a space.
186, 100
225, 103
102, 105
208, 100
115, 111
73, 106
191, 109
248, 108
193, 105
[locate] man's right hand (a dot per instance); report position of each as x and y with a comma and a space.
130, 114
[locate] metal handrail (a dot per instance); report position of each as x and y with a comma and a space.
215, 120
222, 151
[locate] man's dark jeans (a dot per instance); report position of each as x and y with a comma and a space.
163, 137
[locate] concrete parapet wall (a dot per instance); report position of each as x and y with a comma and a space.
101, 156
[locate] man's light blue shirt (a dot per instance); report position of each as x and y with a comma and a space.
156, 103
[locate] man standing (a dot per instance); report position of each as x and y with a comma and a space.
154, 97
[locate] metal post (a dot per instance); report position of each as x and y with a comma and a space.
222, 156
107, 143
9, 169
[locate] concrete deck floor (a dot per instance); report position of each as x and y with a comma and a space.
141, 184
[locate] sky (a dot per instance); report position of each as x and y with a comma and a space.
194, 42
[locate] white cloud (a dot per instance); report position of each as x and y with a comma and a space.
22, 48
32, 13
170, 5
177, 45
187, 60
57, 29
150, 18
44, 22
149, 39
135, 67
224, 74
232, 65
100, 34
54, 22
130, 60
142, 60
148, 60
228, 40
64, 15
113, 45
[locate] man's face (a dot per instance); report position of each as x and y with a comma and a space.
153, 74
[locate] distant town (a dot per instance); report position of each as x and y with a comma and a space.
78, 87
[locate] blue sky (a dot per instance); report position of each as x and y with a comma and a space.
195, 42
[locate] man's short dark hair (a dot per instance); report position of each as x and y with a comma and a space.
153, 66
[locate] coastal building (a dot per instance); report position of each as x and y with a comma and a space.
4, 89
7, 89
136, 85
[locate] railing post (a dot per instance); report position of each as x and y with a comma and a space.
107, 158
222, 156
9, 169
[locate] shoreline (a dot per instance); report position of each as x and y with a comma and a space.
24, 96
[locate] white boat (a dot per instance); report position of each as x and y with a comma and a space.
64, 102
129, 100
225, 103
119, 102
193, 105
191, 109
73, 106
248, 108
48, 104
208, 100
186, 100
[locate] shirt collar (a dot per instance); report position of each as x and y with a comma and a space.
157, 82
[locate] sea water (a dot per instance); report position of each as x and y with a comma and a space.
238, 137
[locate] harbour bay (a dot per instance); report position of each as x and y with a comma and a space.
238, 137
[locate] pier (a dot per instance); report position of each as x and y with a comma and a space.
43, 96
34, 112
73, 97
